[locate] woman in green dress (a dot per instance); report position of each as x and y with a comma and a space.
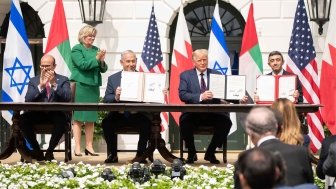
88, 64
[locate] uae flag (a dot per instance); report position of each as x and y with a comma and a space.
58, 44
250, 59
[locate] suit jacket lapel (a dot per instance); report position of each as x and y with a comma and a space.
194, 80
117, 81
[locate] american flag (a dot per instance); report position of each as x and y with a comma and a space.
152, 56
302, 62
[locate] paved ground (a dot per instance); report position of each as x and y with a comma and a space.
125, 157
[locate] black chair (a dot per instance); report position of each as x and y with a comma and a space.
128, 130
205, 130
47, 129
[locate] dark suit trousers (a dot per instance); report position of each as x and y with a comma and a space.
116, 120
189, 121
58, 119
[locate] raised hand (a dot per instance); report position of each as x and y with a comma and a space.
256, 97
244, 100
296, 96
47, 76
207, 95
118, 93
101, 55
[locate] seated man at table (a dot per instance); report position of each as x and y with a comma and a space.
193, 89
46, 87
276, 61
115, 119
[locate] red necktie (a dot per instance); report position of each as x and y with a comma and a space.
203, 86
48, 89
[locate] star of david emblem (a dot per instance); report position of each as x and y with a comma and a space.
19, 75
217, 67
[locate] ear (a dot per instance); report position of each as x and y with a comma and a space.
277, 173
243, 182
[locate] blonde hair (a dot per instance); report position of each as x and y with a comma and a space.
290, 130
86, 31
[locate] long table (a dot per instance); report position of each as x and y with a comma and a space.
16, 141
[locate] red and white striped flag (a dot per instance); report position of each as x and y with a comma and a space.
152, 57
328, 75
181, 60
302, 62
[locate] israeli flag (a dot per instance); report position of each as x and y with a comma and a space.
218, 52
218, 56
17, 63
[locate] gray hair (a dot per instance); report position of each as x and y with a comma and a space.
126, 52
198, 52
261, 120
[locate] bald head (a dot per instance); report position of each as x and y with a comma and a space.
260, 121
47, 62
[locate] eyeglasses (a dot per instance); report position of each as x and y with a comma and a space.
45, 66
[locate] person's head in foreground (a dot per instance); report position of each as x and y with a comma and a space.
257, 169
261, 122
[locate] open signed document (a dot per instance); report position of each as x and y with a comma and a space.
230, 87
270, 88
142, 87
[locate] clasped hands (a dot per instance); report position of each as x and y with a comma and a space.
207, 95
46, 76
101, 55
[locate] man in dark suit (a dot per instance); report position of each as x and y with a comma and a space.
194, 89
276, 61
115, 119
261, 126
323, 155
46, 87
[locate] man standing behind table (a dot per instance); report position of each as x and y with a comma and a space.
194, 89
46, 87
276, 61
113, 120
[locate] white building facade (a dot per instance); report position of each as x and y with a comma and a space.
126, 21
